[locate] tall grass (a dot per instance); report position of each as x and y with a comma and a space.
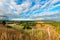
40, 33
27, 35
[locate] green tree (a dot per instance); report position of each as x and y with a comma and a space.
28, 25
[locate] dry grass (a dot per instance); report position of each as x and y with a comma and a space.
36, 34
28, 35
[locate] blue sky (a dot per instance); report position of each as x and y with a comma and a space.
30, 9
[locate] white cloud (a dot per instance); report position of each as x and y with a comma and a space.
48, 16
54, 1
20, 8
25, 7
39, 19
51, 5
23, 19
47, 13
45, 5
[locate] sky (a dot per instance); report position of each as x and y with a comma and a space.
30, 9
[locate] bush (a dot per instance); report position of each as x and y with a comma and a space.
8, 26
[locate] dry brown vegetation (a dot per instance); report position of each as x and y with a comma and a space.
47, 32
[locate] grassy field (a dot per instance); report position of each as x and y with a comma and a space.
40, 31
